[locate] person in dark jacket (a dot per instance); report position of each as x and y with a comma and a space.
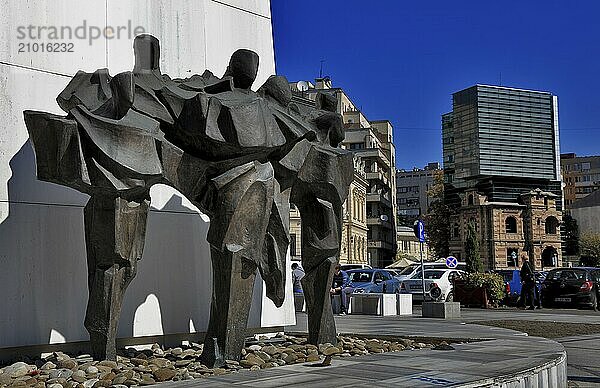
342, 286
297, 275
528, 279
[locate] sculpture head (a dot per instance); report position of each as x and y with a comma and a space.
243, 67
146, 49
277, 87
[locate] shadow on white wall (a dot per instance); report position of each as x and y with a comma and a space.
43, 271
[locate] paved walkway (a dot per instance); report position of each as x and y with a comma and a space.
506, 352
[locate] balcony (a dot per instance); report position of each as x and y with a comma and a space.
377, 221
380, 245
374, 197
374, 153
377, 175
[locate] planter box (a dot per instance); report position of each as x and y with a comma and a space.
373, 304
470, 296
443, 310
405, 304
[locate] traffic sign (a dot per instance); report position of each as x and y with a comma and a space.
419, 229
451, 262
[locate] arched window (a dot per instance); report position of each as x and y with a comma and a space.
470, 200
455, 231
551, 225
511, 224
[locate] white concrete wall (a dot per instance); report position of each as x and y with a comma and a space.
43, 286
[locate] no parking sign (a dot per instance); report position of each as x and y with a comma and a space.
451, 262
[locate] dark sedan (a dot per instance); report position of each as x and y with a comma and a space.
576, 287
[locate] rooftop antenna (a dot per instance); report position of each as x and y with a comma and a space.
321, 69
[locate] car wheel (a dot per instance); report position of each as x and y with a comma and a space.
547, 303
450, 297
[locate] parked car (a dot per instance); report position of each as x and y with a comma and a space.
576, 286
348, 267
411, 270
438, 284
512, 282
367, 281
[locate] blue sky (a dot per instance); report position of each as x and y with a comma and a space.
402, 60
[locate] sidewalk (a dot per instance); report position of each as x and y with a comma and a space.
505, 357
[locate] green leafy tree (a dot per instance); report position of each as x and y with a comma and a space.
571, 235
437, 219
589, 244
472, 253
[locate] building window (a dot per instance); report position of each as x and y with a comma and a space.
512, 257
511, 224
292, 244
551, 225
470, 200
585, 166
455, 231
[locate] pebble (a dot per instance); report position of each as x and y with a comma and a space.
164, 374
18, 369
90, 383
155, 365
91, 370
60, 373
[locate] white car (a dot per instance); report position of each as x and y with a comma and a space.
410, 271
438, 284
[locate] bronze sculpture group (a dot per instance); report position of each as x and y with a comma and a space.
241, 156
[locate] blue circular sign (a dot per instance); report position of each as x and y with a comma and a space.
451, 262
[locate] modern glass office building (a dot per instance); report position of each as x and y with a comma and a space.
502, 141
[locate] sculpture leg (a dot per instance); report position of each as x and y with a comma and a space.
321, 231
316, 284
114, 231
233, 282
241, 205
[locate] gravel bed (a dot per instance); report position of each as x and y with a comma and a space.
155, 365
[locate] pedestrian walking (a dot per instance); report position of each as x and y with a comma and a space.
528, 279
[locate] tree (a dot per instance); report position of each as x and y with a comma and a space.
437, 219
571, 236
472, 253
589, 243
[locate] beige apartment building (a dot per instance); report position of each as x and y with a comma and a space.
369, 222
581, 176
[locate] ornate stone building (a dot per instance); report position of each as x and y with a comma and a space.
502, 171
507, 231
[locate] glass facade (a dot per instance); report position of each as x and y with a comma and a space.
503, 141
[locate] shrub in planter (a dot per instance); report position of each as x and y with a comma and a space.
492, 283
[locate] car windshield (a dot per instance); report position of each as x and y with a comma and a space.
430, 274
566, 274
408, 270
361, 276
